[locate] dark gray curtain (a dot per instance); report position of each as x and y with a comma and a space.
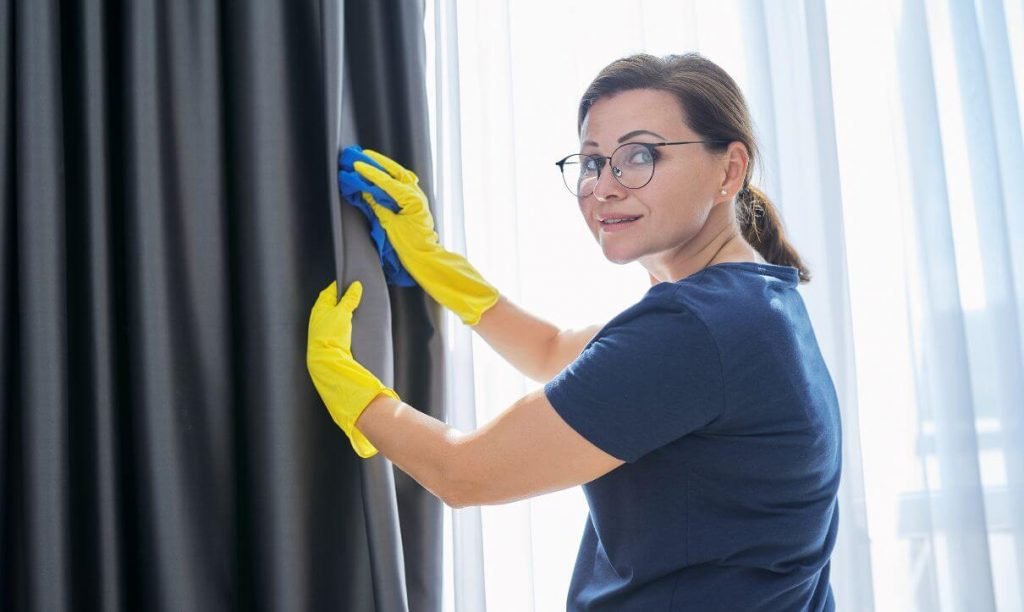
168, 216
390, 110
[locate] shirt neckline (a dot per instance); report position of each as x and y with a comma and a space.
786, 273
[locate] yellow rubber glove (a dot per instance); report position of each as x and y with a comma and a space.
447, 277
345, 386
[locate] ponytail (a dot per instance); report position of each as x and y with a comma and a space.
761, 225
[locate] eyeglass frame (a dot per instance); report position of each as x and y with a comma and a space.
650, 146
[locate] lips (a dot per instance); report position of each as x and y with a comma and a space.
618, 223
612, 220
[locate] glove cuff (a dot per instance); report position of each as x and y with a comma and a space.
363, 447
456, 284
479, 307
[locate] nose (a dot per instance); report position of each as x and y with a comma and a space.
607, 186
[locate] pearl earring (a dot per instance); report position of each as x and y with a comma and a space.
723, 192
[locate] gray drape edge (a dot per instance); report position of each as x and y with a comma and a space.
380, 505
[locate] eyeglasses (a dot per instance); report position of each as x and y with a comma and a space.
632, 166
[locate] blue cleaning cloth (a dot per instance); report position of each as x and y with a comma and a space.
352, 187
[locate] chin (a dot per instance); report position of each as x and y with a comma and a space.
619, 257
621, 253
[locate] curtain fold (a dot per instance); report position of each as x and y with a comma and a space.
371, 338
385, 64
789, 81
43, 510
464, 559
943, 367
164, 230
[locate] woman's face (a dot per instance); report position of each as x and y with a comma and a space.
674, 206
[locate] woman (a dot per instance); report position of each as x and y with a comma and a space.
701, 421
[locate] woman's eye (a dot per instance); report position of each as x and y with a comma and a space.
640, 157
590, 165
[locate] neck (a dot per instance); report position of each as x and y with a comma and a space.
717, 242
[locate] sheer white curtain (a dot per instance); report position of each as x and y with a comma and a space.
892, 142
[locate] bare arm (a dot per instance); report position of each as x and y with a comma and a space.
525, 451
532, 345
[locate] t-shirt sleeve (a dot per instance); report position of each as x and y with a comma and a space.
651, 376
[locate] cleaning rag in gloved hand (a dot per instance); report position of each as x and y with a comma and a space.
352, 187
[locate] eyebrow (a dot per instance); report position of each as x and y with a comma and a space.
626, 137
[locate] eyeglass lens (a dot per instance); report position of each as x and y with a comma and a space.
631, 164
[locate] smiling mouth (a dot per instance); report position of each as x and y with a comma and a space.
613, 223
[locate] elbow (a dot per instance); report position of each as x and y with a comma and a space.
546, 372
459, 488
541, 378
453, 503
465, 498
452, 495
542, 374
458, 498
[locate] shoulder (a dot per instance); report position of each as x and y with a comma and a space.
740, 276
659, 343
733, 296
650, 375
660, 318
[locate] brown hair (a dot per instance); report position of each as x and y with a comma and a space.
714, 108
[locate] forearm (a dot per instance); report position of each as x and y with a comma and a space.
420, 445
522, 339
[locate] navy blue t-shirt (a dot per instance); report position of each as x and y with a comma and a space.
713, 391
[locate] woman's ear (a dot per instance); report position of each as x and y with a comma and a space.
736, 160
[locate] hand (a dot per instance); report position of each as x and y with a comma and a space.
345, 386
447, 277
